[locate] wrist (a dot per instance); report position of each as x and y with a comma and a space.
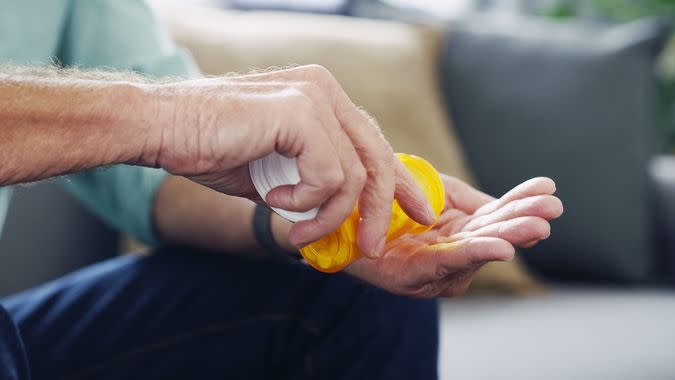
140, 122
158, 115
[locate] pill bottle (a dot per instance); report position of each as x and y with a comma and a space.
338, 249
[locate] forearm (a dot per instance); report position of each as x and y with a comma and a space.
52, 125
55, 122
190, 214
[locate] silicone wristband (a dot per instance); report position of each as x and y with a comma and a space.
262, 230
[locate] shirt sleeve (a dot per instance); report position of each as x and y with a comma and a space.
120, 35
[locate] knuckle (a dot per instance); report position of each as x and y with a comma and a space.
310, 89
322, 222
390, 275
381, 162
334, 179
359, 175
384, 153
300, 101
533, 205
317, 71
370, 212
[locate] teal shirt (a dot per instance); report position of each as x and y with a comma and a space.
115, 34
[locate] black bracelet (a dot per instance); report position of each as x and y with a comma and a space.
262, 230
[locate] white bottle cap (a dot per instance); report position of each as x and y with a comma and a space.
273, 171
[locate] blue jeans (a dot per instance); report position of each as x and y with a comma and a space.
205, 316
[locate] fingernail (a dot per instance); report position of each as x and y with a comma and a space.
270, 199
379, 247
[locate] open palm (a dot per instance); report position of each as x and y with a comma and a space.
473, 229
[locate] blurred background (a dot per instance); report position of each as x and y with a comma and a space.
494, 92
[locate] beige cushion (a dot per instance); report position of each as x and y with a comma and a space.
388, 68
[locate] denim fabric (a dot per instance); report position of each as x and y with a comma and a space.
13, 363
203, 316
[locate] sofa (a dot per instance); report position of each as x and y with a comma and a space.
516, 323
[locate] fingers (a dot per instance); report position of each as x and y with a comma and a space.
520, 217
414, 268
532, 187
529, 244
469, 252
457, 265
375, 190
366, 136
434, 262
338, 198
408, 193
462, 196
523, 232
378, 192
432, 269
320, 174
333, 186
543, 206
448, 266
341, 204
375, 155
386, 177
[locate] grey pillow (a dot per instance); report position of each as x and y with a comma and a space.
575, 102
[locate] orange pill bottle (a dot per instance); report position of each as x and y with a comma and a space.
337, 250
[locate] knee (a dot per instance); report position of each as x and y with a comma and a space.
400, 321
381, 336
364, 311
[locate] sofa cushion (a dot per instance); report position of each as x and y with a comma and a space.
573, 102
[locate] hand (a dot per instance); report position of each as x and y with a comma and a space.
473, 230
212, 128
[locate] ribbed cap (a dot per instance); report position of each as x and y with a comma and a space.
273, 171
